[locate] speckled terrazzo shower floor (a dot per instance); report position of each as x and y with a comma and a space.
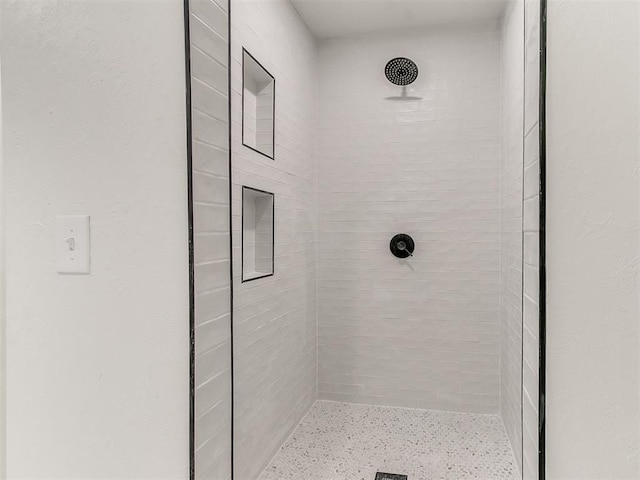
343, 441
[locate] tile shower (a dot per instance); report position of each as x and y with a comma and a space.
413, 365
422, 332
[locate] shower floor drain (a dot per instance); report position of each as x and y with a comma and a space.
390, 476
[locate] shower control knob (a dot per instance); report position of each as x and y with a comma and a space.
402, 245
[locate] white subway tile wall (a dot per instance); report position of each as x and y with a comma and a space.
212, 252
531, 340
249, 119
275, 330
511, 225
422, 332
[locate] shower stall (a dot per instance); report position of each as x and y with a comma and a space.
365, 238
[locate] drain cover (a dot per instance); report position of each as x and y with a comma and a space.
390, 476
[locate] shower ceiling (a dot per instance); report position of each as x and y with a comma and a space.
338, 18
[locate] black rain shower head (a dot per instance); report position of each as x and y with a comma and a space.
401, 71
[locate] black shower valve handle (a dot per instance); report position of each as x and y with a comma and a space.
402, 245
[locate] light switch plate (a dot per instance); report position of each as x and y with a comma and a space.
72, 244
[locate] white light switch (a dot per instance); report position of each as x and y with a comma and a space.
72, 244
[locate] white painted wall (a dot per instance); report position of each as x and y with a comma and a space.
422, 332
275, 317
511, 224
94, 122
593, 217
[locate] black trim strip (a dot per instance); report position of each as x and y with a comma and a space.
257, 190
273, 128
273, 234
192, 310
523, 236
229, 93
542, 123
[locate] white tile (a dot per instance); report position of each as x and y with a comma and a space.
212, 304
275, 318
532, 248
208, 100
212, 275
532, 145
513, 132
212, 333
208, 70
430, 168
212, 391
214, 451
210, 218
210, 163
208, 364
210, 130
531, 281
208, 41
210, 159
532, 179
532, 214
211, 13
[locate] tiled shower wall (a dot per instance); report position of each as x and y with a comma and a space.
208, 24
422, 332
531, 225
275, 342
511, 225
425, 332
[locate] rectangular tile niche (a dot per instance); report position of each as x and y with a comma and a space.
257, 233
258, 106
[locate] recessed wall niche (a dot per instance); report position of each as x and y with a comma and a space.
258, 106
258, 212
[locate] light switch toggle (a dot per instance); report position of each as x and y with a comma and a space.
72, 244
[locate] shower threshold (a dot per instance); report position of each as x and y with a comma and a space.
343, 441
